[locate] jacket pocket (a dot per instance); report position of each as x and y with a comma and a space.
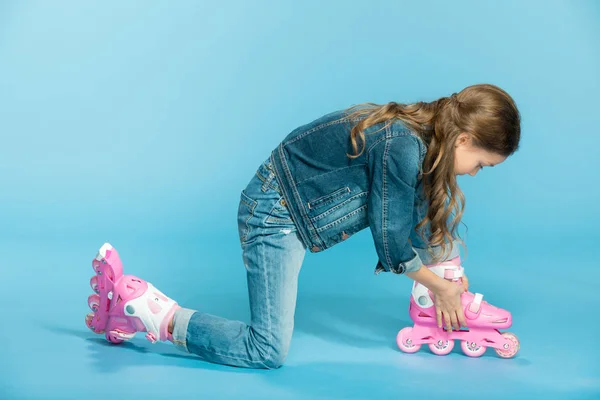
328, 198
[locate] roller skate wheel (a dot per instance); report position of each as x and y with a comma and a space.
151, 337
441, 347
118, 336
94, 284
511, 349
404, 340
89, 318
113, 338
94, 302
472, 349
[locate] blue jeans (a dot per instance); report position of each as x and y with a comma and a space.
273, 254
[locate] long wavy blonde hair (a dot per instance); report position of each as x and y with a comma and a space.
485, 112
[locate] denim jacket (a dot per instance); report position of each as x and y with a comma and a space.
330, 196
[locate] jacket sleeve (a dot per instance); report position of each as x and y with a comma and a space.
394, 165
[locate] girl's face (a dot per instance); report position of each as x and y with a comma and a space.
469, 159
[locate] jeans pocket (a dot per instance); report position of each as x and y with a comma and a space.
279, 213
245, 213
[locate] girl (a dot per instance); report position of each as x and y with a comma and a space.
391, 168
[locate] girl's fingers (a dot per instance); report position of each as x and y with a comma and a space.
454, 320
461, 317
447, 321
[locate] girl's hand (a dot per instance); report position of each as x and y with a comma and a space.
465, 282
446, 297
449, 307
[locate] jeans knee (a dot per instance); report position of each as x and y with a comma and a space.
275, 357
270, 354
269, 349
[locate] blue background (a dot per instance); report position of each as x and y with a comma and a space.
140, 122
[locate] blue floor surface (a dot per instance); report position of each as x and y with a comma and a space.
343, 346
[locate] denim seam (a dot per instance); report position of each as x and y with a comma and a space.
389, 135
178, 330
341, 219
205, 349
266, 182
247, 227
272, 217
264, 179
337, 170
262, 245
328, 198
384, 208
316, 128
276, 220
247, 200
381, 139
422, 147
332, 209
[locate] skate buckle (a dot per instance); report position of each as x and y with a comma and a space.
453, 273
475, 305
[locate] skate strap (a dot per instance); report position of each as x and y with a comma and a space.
475, 305
453, 272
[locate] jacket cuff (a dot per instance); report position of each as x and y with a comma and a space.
427, 257
402, 267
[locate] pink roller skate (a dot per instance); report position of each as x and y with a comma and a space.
483, 321
125, 304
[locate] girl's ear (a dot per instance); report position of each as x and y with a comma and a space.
462, 140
